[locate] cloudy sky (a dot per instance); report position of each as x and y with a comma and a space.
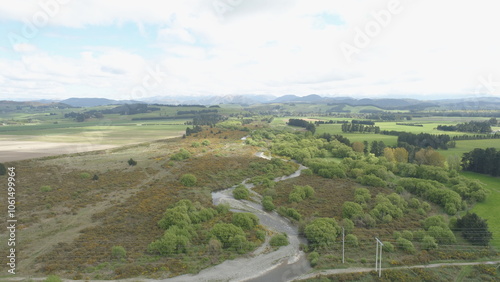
119, 49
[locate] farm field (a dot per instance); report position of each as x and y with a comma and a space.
490, 209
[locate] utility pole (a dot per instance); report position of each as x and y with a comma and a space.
378, 257
343, 243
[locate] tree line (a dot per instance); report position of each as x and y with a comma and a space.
471, 126
302, 123
486, 161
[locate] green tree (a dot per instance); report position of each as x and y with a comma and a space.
224, 232
188, 180
429, 242
474, 229
405, 245
246, 221
350, 209
322, 231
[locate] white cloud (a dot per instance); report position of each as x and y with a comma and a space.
274, 47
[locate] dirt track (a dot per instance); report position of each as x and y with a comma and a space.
23, 150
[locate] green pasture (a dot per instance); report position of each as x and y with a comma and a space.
489, 209
465, 146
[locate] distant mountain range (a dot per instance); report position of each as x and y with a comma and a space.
486, 103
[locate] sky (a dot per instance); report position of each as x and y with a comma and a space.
132, 50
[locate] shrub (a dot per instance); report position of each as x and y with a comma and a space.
239, 243
388, 247
372, 180
350, 209
241, 192
442, 234
224, 232
188, 180
45, 188
313, 258
408, 235
131, 162
429, 242
322, 231
260, 234
300, 193
419, 235
405, 245
214, 246
351, 240
245, 220
362, 193
195, 144
279, 240
118, 252
267, 203
223, 208
435, 220
205, 142
181, 155
84, 175
95, 177
293, 213
348, 225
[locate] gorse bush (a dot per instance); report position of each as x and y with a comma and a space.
279, 240
188, 180
118, 252
181, 155
241, 192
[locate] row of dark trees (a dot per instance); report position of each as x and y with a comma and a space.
193, 112
302, 123
476, 136
485, 161
424, 140
355, 127
471, 126
208, 119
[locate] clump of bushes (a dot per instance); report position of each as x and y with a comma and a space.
188, 180
241, 192
181, 155
279, 240
300, 193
